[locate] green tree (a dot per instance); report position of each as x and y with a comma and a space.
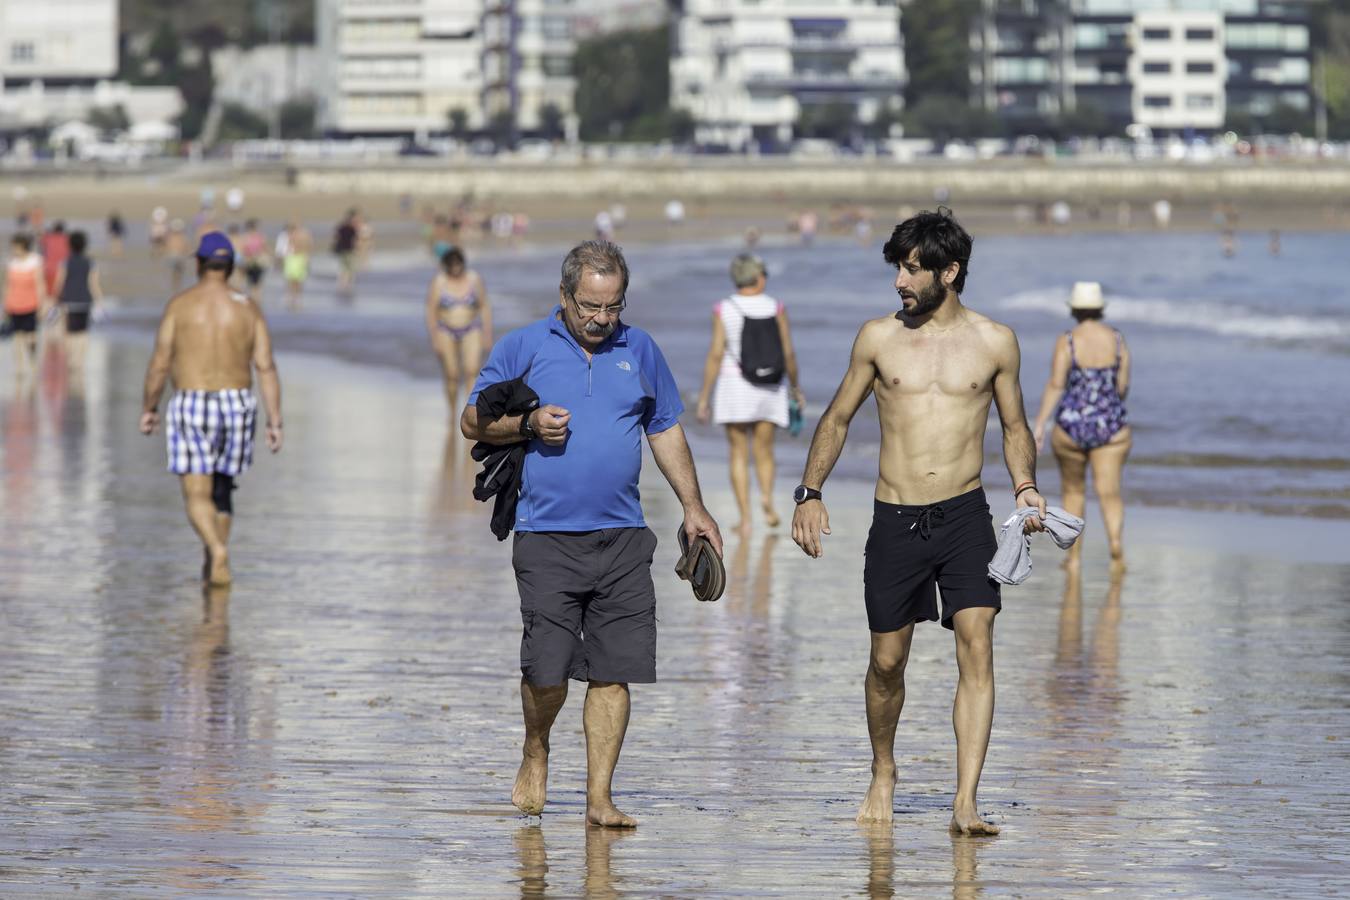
238, 123
623, 85
831, 121
937, 48
551, 122
109, 118
296, 119
197, 85
947, 117
1084, 120
458, 120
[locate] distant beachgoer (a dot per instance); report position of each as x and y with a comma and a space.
344, 247
604, 225
176, 251
159, 231
253, 258
295, 262
365, 241
583, 552
212, 340
1060, 214
459, 321
1162, 213
1228, 243
25, 300
80, 295
55, 250
807, 223
116, 234
234, 199
1274, 245
1085, 399
674, 212
749, 411
751, 237
934, 367
442, 240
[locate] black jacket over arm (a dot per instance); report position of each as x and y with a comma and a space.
503, 464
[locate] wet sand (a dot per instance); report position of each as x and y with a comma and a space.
345, 720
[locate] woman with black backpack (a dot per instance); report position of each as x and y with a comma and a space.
752, 362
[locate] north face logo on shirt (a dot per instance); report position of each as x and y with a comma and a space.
623, 364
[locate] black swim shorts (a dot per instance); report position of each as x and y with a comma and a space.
913, 549
23, 323
588, 605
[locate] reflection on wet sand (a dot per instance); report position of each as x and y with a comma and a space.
880, 839
748, 593
532, 854
454, 482
601, 882
1084, 696
965, 867
210, 718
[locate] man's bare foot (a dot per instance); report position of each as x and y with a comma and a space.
531, 788
607, 815
220, 567
969, 823
879, 804
770, 517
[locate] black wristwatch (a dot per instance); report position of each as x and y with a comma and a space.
804, 493
526, 429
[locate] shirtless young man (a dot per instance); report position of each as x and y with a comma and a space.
210, 340
934, 367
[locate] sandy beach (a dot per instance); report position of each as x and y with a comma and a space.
344, 720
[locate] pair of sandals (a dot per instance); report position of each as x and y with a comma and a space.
701, 566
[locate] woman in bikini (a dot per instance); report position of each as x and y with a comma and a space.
459, 321
1085, 398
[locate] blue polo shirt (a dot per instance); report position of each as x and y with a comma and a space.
623, 390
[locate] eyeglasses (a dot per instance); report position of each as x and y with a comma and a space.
590, 311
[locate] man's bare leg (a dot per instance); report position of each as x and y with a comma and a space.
972, 713
606, 721
201, 512
541, 706
885, 693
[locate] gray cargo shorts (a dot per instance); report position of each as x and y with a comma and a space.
588, 605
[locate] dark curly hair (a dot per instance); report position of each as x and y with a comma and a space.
940, 240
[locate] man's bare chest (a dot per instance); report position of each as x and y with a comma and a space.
927, 368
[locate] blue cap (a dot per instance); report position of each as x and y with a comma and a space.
215, 245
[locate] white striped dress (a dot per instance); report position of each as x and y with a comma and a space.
737, 400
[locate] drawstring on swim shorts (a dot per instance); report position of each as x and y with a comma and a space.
926, 517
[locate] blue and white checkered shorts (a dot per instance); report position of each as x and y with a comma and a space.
211, 431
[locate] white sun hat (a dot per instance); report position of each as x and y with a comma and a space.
1086, 295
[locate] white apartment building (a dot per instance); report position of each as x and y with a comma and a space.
749, 70
60, 41
399, 66
527, 62
57, 61
1178, 68
1172, 65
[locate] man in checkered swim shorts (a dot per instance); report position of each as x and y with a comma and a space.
210, 341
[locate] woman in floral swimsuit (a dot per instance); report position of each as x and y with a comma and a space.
1085, 399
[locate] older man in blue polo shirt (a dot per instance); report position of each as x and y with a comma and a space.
583, 552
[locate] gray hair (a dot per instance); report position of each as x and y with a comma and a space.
746, 270
600, 257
